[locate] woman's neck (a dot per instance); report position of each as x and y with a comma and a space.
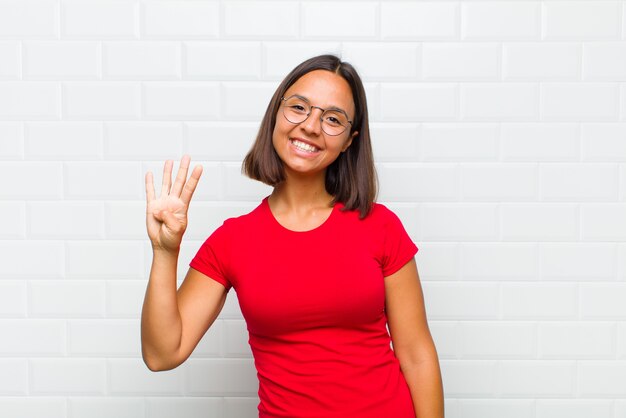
301, 193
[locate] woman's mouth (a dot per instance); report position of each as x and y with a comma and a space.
303, 146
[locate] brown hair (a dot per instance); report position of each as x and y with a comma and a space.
351, 178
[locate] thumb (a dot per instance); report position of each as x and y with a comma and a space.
171, 222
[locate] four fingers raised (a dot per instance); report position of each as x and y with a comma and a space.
182, 187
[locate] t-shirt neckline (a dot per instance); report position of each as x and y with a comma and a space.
323, 225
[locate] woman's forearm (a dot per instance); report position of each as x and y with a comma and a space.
425, 384
161, 325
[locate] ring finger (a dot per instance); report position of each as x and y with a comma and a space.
167, 178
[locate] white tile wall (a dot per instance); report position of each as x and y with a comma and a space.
545, 142
603, 142
196, 407
34, 406
499, 101
66, 299
582, 20
604, 61
71, 59
80, 376
539, 222
499, 261
12, 144
180, 101
384, 60
129, 376
500, 20
14, 379
180, 19
223, 60
99, 19
428, 20
541, 61
582, 102
63, 140
30, 100
540, 378
34, 337
539, 301
493, 408
16, 212
577, 408
601, 378
282, 57
141, 60
602, 222
459, 61
29, 19
101, 100
320, 22
103, 407
12, 299
260, 20
18, 257
469, 378
499, 130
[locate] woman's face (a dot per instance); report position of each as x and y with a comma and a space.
305, 148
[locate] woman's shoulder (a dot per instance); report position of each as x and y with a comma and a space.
245, 220
379, 214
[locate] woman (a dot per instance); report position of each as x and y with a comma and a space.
320, 270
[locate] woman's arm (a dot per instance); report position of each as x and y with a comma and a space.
172, 322
412, 342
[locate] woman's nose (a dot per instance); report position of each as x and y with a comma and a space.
313, 123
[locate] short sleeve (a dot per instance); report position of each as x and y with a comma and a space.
213, 257
398, 248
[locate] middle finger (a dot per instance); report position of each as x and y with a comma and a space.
181, 176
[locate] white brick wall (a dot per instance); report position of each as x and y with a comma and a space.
499, 130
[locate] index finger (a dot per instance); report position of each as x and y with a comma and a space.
191, 184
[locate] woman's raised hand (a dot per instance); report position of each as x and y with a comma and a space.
166, 216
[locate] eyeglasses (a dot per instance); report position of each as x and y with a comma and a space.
296, 110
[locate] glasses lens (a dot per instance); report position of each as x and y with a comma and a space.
296, 110
334, 122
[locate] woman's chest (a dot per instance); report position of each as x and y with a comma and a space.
293, 285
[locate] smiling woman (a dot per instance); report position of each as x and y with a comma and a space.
351, 177
325, 277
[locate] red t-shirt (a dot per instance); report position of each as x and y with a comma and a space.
314, 304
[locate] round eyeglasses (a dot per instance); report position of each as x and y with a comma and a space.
296, 110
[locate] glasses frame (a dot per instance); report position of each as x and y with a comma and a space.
283, 99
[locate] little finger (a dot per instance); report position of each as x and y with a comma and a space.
149, 187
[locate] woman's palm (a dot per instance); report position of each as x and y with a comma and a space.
166, 216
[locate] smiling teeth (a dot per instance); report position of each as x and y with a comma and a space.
303, 146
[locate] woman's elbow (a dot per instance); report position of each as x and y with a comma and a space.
157, 363
415, 354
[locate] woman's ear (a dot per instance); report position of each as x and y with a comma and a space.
349, 141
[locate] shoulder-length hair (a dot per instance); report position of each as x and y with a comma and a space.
351, 178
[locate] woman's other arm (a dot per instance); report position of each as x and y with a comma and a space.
173, 322
412, 342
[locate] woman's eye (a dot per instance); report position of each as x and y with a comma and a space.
333, 120
298, 108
